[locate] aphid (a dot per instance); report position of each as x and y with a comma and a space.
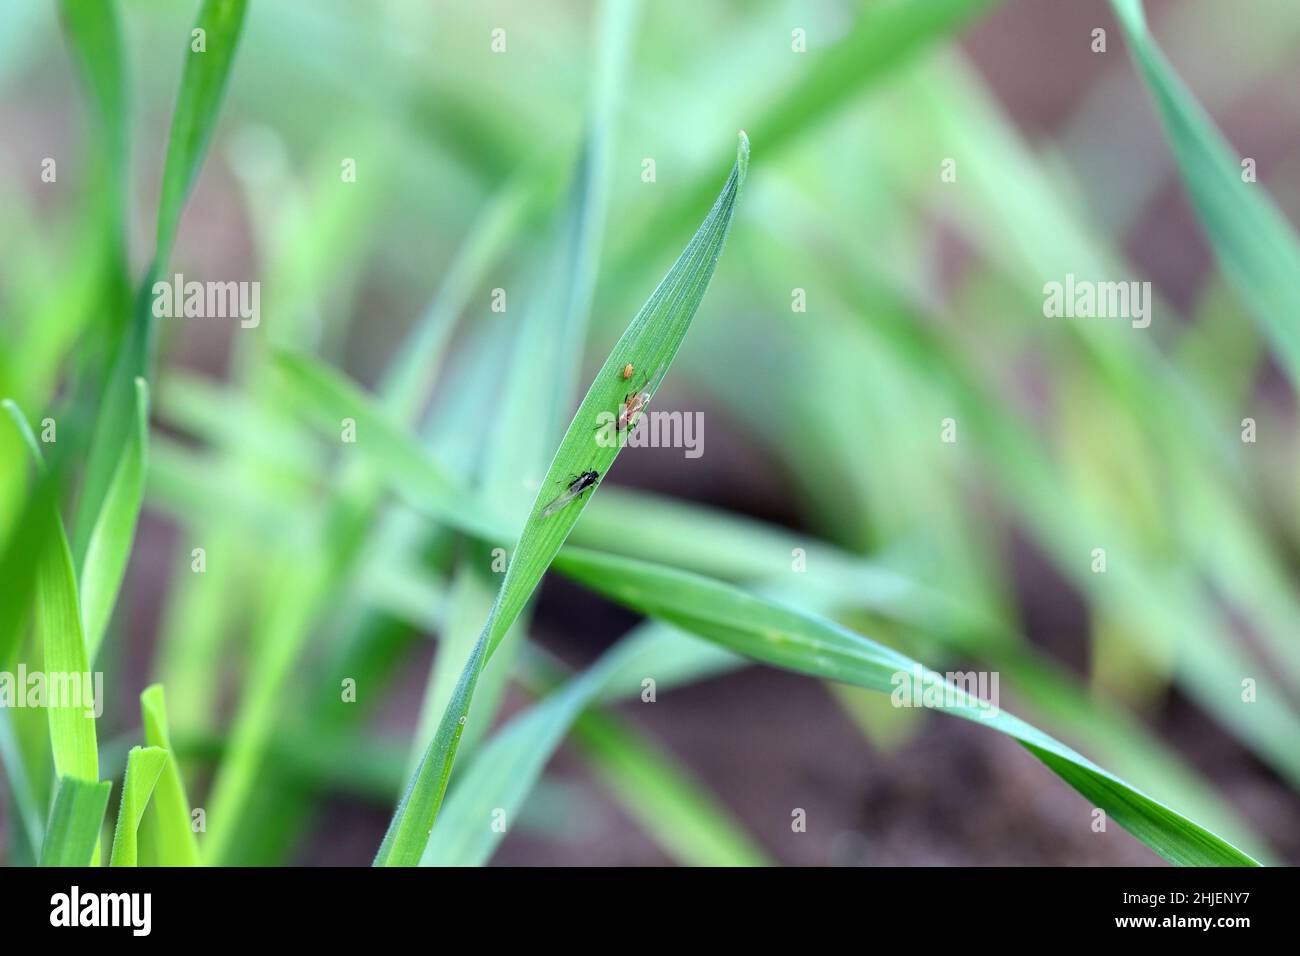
575, 490
634, 402
632, 405
627, 370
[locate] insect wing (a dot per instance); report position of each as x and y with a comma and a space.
562, 499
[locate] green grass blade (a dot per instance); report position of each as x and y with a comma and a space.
536, 398
674, 809
410, 374
195, 117
72, 832
742, 550
808, 644
24, 808
17, 569
96, 41
58, 624
331, 396
114, 531
1256, 247
347, 520
649, 343
885, 36
699, 830
58, 621
500, 777
193, 121
143, 767
166, 837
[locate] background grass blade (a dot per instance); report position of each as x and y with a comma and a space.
649, 343
203, 85
27, 537
317, 387
884, 36
143, 767
58, 620
682, 817
72, 832
501, 776
1254, 243
114, 532
58, 623
193, 122
166, 836
23, 807
802, 642
96, 41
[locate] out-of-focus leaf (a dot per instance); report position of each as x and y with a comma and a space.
166, 836
503, 773
72, 832
1254, 243
203, 85
114, 531
193, 121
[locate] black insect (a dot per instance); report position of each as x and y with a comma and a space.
575, 490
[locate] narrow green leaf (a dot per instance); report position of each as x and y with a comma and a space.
193, 121
505, 771
24, 806
802, 642
72, 832
27, 537
166, 836
70, 689
58, 622
24, 429
1254, 243
739, 550
143, 767
500, 777
536, 398
410, 374
649, 345
96, 41
114, 531
674, 809
885, 36
195, 117
315, 386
